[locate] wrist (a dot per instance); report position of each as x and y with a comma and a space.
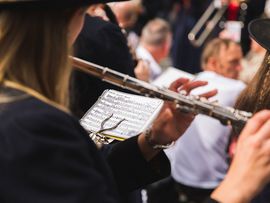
228, 192
149, 138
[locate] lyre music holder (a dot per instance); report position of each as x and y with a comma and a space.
98, 137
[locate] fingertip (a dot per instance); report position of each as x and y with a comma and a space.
202, 82
184, 79
178, 82
215, 90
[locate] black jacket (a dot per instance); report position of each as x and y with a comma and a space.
46, 156
103, 43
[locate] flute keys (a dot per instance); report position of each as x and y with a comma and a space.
183, 92
203, 99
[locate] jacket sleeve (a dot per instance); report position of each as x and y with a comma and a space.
47, 157
131, 170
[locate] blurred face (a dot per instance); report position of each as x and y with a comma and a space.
167, 46
76, 24
126, 13
255, 47
228, 61
98, 11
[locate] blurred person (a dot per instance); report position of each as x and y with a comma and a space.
223, 59
98, 11
191, 11
155, 9
183, 52
126, 12
199, 159
256, 96
155, 45
101, 42
252, 61
245, 12
202, 174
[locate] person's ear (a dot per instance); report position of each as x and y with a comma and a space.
212, 62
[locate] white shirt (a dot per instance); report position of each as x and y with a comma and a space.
155, 68
251, 64
198, 158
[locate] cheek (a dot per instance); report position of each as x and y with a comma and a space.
231, 70
75, 28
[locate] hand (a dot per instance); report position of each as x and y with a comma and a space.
142, 71
250, 169
171, 123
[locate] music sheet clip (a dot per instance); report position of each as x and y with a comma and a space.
100, 138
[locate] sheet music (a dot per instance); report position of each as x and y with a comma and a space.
169, 75
138, 112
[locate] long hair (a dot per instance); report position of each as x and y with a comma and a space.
256, 95
34, 51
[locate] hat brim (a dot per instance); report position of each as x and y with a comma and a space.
4, 4
259, 30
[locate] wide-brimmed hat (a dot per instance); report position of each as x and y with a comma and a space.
5, 4
259, 30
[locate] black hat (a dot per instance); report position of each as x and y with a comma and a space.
259, 30
5, 4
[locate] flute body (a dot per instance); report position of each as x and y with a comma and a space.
226, 115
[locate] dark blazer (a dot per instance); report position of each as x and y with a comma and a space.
186, 56
103, 43
46, 156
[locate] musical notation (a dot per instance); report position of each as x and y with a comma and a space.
138, 113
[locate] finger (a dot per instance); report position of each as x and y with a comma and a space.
263, 133
255, 123
178, 83
209, 94
266, 147
192, 85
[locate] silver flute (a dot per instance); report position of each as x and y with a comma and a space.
185, 103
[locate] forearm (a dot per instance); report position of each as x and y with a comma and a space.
228, 192
130, 167
147, 150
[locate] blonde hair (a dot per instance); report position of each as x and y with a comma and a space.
212, 49
34, 51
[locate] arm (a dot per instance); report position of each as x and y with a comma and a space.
142, 162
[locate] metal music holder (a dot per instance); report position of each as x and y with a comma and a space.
98, 137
